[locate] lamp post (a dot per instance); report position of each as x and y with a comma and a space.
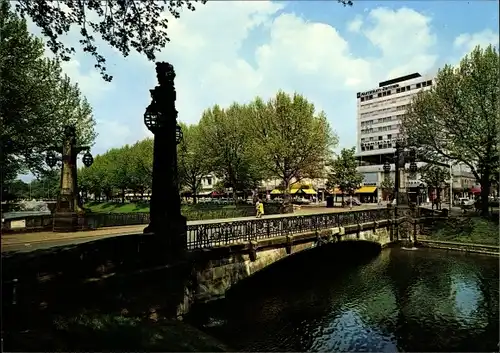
399, 160
68, 204
160, 118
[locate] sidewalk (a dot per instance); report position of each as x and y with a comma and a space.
38, 237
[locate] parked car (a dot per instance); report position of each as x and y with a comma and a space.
355, 202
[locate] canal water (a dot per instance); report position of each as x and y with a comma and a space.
355, 299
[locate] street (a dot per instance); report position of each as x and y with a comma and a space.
27, 242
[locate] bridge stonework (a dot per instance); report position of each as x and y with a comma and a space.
217, 276
131, 271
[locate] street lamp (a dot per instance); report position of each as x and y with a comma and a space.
160, 118
68, 201
399, 162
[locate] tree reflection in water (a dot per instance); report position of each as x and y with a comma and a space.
346, 299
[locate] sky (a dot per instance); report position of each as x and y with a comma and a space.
231, 51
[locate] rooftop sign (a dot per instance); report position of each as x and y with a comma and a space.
377, 90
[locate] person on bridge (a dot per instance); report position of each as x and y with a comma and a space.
260, 208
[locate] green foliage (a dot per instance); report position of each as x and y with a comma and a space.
387, 185
124, 25
344, 174
226, 140
468, 230
289, 140
434, 176
119, 170
457, 120
36, 100
191, 160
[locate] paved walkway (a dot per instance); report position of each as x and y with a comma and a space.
37, 237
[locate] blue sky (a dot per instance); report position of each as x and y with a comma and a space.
229, 51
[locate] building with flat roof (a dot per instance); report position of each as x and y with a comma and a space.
379, 113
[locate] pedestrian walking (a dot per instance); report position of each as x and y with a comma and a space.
259, 206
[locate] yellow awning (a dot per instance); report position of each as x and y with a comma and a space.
361, 190
309, 191
276, 191
366, 190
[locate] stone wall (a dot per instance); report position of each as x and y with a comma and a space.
217, 276
132, 273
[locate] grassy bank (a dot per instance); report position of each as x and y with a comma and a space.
102, 332
191, 212
466, 230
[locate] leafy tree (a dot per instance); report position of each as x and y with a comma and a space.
344, 174
36, 100
15, 190
289, 140
435, 177
141, 166
387, 186
118, 170
227, 148
192, 163
457, 120
123, 24
46, 186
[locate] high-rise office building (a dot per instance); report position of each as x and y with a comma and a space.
380, 111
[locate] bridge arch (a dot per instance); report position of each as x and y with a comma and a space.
224, 268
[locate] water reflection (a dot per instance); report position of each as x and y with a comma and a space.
425, 300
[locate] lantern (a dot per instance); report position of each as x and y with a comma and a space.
151, 118
50, 159
413, 155
87, 159
387, 167
178, 134
413, 167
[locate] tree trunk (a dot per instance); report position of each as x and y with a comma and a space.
123, 195
485, 192
193, 190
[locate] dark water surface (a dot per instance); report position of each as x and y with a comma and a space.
346, 298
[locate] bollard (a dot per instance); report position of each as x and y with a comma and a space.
14, 290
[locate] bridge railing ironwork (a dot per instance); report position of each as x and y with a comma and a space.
226, 233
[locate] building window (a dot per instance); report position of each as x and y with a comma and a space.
429, 83
419, 85
389, 136
362, 99
363, 148
388, 93
380, 138
371, 96
398, 90
209, 181
402, 89
371, 148
379, 95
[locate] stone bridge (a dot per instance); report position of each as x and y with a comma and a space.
131, 271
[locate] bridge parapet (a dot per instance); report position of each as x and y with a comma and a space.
207, 236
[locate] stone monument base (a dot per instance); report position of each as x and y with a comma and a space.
65, 222
170, 236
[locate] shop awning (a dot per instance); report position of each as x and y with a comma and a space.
366, 190
476, 190
361, 190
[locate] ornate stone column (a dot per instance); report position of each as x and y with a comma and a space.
68, 205
166, 220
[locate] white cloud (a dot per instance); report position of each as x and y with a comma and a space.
233, 51
465, 42
355, 25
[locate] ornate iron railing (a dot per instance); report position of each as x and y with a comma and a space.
209, 235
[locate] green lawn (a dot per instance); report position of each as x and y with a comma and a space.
191, 212
116, 207
468, 230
